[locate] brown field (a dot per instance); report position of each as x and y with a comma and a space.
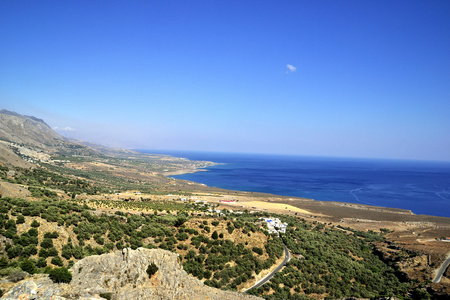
274, 207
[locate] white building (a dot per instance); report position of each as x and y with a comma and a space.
275, 225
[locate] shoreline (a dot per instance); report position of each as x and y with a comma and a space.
290, 193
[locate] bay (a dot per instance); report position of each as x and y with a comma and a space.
420, 186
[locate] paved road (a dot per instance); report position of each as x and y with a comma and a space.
287, 257
441, 270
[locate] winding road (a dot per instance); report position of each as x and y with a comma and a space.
441, 270
287, 257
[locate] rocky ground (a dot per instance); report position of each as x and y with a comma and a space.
120, 275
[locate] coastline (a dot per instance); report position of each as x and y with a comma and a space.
412, 188
182, 172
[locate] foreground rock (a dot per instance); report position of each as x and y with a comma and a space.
122, 275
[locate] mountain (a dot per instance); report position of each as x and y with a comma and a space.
25, 139
20, 131
27, 130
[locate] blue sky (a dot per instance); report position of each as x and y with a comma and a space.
334, 78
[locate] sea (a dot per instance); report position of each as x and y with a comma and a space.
420, 186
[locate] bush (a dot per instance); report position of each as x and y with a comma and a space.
57, 261
52, 251
20, 219
60, 275
47, 243
182, 236
51, 235
43, 253
67, 251
33, 232
35, 224
257, 250
41, 263
28, 266
152, 269
29, 250
106, 295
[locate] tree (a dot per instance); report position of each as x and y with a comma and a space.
47, 243
180, 221
57, 261
67, 251
41, 263
35, 224
28, 266
52, 251
20, 219
152, 269
33, 232
60, 275
215, 236
43, 253
30, 250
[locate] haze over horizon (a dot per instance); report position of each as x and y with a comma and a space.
326, 78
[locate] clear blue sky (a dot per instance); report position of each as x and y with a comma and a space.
335, 78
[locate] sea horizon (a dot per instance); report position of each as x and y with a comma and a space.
421, 186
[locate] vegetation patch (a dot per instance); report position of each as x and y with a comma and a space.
152, 269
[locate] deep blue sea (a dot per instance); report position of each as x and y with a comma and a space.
422, 187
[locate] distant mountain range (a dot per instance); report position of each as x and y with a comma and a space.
19, 132
34, 133
28, 130
25, 139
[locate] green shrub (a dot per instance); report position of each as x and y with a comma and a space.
33, 232
257, 250
60, 275
41, 263
52, 251
106, 295
47, 243
152, 269
43, 253
51, 235
28, 266
20, 219
57, 261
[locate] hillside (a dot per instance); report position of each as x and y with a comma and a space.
71, 207
28, 131
122, 275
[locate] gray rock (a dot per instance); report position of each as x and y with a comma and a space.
36, 287
122, 274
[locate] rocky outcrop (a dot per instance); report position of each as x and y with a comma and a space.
122, 275
35, 287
